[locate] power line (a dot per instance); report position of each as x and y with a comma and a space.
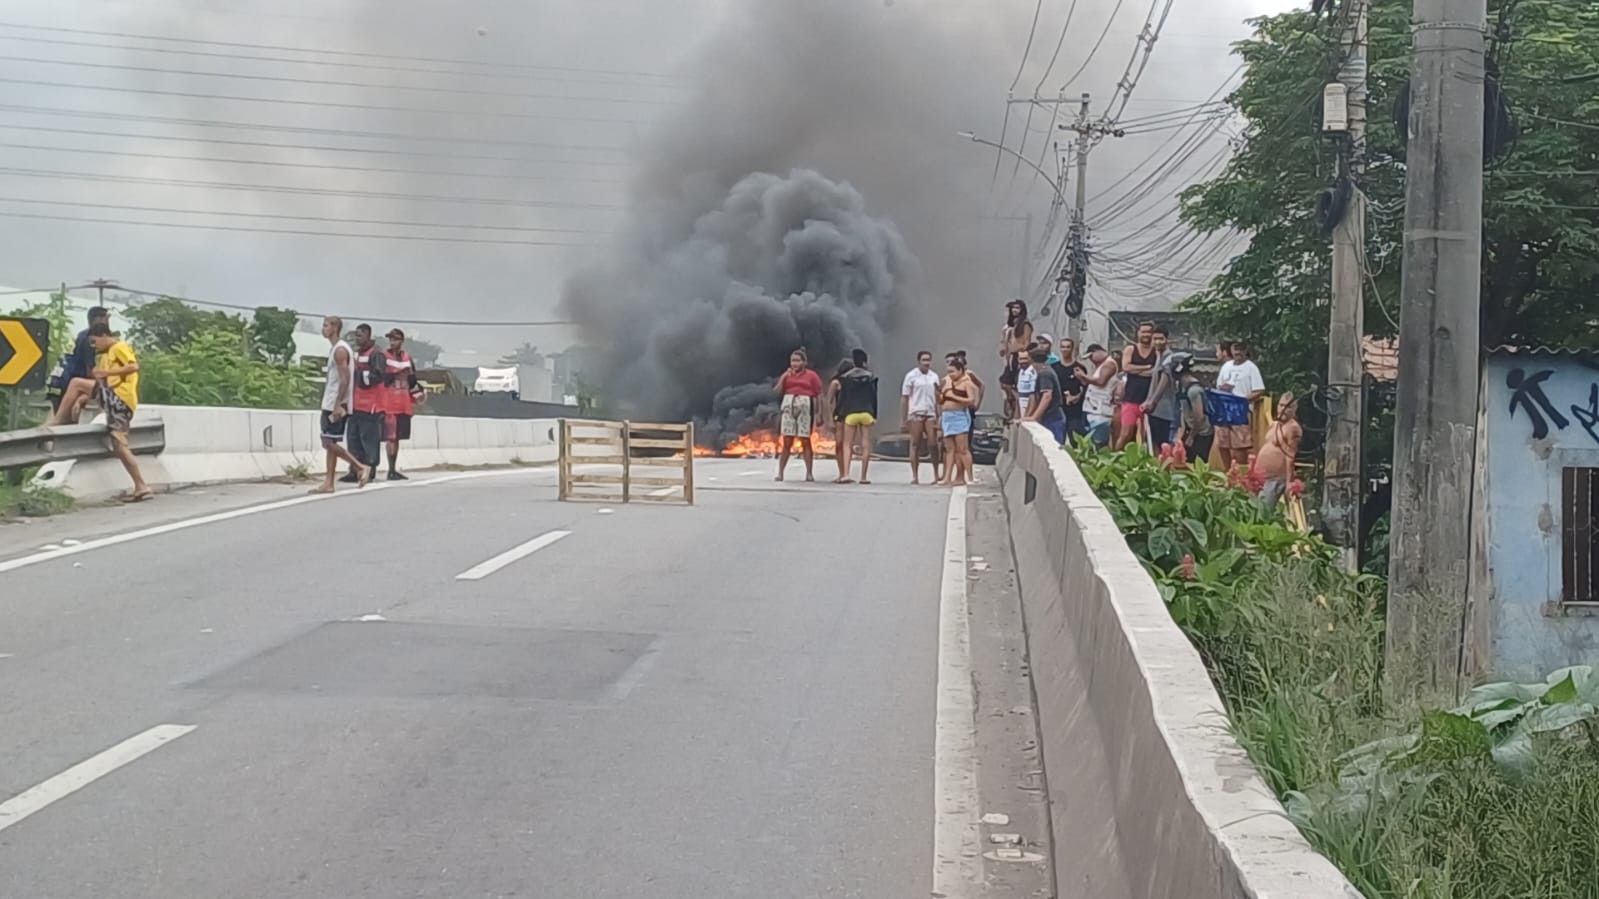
301, 129
310, 191
285, 164
295, 231
330, 63
353, 54
289, 79
1095, 49
320, 104
1004, 128
351, 317
336, 220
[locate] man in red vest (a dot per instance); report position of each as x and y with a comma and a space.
402, 394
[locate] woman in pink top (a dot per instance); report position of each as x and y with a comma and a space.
800, 387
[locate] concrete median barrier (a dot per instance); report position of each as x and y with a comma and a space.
212, 445
1150, 795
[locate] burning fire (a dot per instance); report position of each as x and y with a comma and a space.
766, 443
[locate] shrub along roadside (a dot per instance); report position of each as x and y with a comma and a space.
1497, 799
32, 502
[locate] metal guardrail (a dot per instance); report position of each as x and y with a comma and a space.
41, 446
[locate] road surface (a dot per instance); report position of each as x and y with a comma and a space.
464, 688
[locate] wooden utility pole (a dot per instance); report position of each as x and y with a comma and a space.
1342, 481
1439, 358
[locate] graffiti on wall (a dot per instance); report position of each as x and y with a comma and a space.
1528, 395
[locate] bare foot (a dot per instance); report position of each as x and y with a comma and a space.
779, 477
810, 479
317, 491
843, 481
864, 481
363, 476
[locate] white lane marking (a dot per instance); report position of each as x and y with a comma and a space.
957, 840
479, 572
215, 517
86, 772
634, 675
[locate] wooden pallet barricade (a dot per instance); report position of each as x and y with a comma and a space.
610, 451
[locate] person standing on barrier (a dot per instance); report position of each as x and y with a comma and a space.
399, 380
800, 388
336, 402
857, 402
369, 406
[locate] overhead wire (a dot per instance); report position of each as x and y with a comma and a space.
318, 104
279, 163
302, 129
1021, 66
350, 54
311, 313
423, 238
306, 191
325, 82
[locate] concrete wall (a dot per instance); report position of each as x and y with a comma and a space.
1150, 796
213, 445
1531, 632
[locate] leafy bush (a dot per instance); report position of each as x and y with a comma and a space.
32, 502
215, 367
1495, 799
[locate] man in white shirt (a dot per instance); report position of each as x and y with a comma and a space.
1098, 406
918, 407
1239, 377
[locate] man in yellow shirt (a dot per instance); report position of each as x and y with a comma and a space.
116, 376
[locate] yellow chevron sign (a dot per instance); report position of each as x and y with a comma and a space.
23, 342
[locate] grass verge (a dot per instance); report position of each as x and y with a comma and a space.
32, 502
1496, 799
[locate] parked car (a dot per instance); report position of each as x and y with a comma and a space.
988, 438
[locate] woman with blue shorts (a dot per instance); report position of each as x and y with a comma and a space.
956, 397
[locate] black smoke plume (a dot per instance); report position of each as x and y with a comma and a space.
698, 327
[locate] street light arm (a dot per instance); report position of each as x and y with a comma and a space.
1053, 184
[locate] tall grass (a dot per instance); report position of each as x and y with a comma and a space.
1301, 677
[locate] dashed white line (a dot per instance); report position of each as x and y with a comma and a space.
86, 772
479, 572
957, 839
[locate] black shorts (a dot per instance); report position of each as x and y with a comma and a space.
333, 430
1012, 369
398, 427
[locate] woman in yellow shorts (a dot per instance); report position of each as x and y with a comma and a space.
857, 408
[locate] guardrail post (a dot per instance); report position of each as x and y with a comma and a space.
563, 464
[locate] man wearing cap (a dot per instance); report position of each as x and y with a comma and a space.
401, 389
368, 406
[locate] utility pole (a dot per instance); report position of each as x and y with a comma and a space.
1075, 273
1027, 257
101, 284
1343, 483
1439, 359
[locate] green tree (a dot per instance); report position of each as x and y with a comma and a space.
167, 323
1541, 243
424, 352
215, 367
272, 334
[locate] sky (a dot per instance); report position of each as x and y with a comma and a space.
169, 144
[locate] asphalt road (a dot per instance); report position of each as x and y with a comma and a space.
305, 698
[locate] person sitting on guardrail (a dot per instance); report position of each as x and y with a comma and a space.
73, 366
116, 377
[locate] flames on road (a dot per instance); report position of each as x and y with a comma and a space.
765, 443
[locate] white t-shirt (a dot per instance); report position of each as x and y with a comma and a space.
922, 388
1097, 400
1026, 381
1244, 377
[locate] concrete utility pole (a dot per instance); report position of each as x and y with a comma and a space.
1343, 484
1439, 359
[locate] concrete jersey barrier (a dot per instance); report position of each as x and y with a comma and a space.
1150, 795
210, 445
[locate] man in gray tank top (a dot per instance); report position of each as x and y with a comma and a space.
336, 405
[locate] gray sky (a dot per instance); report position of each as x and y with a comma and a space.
562, 91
